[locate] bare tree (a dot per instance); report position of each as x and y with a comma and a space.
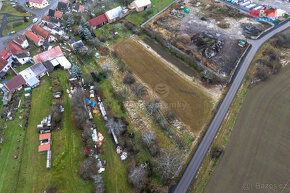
138, 177
149, 140
129, 79
88, 169
80, 113
139, 90
168, 164
115, 126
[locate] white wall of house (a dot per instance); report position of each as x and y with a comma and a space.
23, 60
25, 44
39, 6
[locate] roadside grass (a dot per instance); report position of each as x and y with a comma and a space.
66, 149
7, 8
9, 27
141, 17
13, 18
9, 166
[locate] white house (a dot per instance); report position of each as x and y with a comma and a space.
40, 4
22, 58
21, 41
140, 5
4, 66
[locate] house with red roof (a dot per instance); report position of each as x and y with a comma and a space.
44, 148
46, 35
15, 83
39, 4
4, 67
21, 41
48, 55
98, 21
58, 14
38, 41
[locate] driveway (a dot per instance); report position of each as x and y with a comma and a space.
38, 14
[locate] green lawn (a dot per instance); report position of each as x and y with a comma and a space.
13, 18
9, 27
157, 5
8, 165
7, 8
66, 149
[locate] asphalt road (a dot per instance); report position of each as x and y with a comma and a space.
195, 162
38, 14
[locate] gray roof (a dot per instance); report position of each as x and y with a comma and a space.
49, 66
38, 69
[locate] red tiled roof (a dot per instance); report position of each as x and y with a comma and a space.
3, 63
48, 55
40, 31
3, 53
45, 17
98, 20
19, 39
15, 83
81, 8
44, 136
32, 36
36, 1
13, 48
44, 147
58, 14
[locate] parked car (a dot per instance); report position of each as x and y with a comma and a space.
35, 20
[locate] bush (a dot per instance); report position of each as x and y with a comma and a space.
138, 177
20, 9
88, 169
129, 79
51, 189
17, 23
216, 152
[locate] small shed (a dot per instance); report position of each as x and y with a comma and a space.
44, 148
33, 82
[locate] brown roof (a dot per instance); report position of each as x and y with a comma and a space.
15, 83
14, 48
48, 55
19, 39
33, 37
44, 147
44, 136
45, 17
40, 31
58, 14
3, 63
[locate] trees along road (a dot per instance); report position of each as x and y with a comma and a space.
196, 161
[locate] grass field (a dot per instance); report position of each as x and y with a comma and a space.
7, 8
9, 27
189, 103
141, 17
256, 158
66, 149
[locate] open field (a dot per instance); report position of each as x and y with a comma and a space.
66, 149
256, 158
189, 103
7, 8
22, 25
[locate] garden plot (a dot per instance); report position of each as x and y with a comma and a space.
208, 32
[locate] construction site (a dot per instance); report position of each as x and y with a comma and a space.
211, 33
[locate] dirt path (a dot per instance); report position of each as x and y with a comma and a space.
257, 156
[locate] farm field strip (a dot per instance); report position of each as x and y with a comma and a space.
189, 103
258, 145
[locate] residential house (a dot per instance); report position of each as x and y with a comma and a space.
46, 35
33, 82
79, 46
39, 4
27, 74
38, 69
62, 6
21, 41
55, 30
58, 14
51, 12
45, 18
13, 49
22, 58
15, 83
46, 46
48, 55
140, 5
4, 67
115, 14
38, 41
98, 21
4, 54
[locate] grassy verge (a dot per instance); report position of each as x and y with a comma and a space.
157, 5
10, 26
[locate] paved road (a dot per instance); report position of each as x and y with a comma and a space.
38, 13
195, 162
